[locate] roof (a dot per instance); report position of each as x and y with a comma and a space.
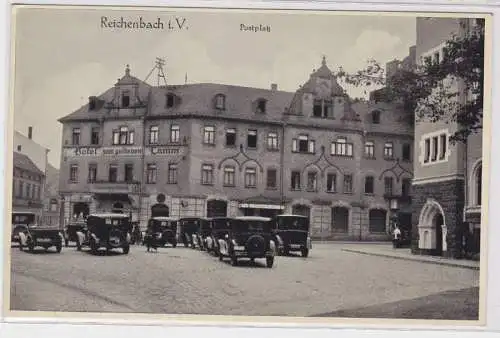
22, 161
252, 218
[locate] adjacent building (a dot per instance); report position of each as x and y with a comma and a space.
447, 182
51, 200
216, 150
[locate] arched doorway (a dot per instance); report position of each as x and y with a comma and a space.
432, 228
81, 209
216, 208
438, 225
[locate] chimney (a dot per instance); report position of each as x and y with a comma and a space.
274, 86
30, 132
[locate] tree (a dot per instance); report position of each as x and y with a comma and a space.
426, 92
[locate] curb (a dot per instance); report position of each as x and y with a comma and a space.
455, 265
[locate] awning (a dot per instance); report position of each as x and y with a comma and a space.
260, 206
115, 197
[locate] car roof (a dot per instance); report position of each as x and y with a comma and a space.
291, 215
164, 218
252, 218
109, 215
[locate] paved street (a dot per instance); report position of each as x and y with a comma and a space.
187, 281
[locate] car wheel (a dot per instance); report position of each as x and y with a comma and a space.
269, 261
66, 242
305, 252
58, 247
126, 249
31, 246
78, 245
234, 260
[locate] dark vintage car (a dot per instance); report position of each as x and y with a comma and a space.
20, 222
106, 230
187, 227
71, 229
202, 232
161, 231
41, 236
219, 227
248, 237
291, 233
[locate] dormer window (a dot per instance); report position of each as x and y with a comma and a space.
323, 108
261, 106
376, 117
220, 102
170, 100
125, 99
92, 102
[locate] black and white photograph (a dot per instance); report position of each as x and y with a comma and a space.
295, 165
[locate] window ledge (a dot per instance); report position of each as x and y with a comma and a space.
250, 186
211, 184
295, 189
271, 188
331, 191
348, 192
229, 185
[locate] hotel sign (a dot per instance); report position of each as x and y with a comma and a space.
122, 151
163, 151
82, 151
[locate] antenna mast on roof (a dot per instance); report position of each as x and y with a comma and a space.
159, 63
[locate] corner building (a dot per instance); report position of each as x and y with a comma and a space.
224, 150
447, 183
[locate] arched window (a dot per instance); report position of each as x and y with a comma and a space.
376, 117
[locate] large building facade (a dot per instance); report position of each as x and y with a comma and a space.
223, 150
447, 183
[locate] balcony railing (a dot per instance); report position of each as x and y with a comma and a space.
126, 187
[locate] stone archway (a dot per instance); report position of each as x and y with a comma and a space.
432, 228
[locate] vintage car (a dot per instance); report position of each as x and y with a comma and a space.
161, 230
201, 234
248, 237
219, 227
20, 222
291, 233
106, 230
41, 236
188, 227
71, 229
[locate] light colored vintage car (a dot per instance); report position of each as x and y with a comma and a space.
41, 236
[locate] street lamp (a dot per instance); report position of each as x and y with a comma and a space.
394, 206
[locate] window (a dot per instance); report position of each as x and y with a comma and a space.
427, 150
323, 108
369, 149
75, 139
250, 177
209, 135
369, 185
376, 117
153, 134
331, 182
295, 184
73, 173
129, 172
261, 106
271, 181
28, 190
406, 152
230, 137
347, 183
272, 141
443, 142
252, 139
170, 100
312, 181
113, 173
151, 173
388, 150
175, 134
388, 185
229, 176
34, 191
479, 184
92, 173
53, 205
125, 99
303, 145
172, 173
341, 148
94, 136
123, 136
406, 187
21, 187
435, 148
207, 174
220, 102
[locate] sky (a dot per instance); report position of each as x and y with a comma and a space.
63, 56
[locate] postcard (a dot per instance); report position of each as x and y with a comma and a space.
248, 165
